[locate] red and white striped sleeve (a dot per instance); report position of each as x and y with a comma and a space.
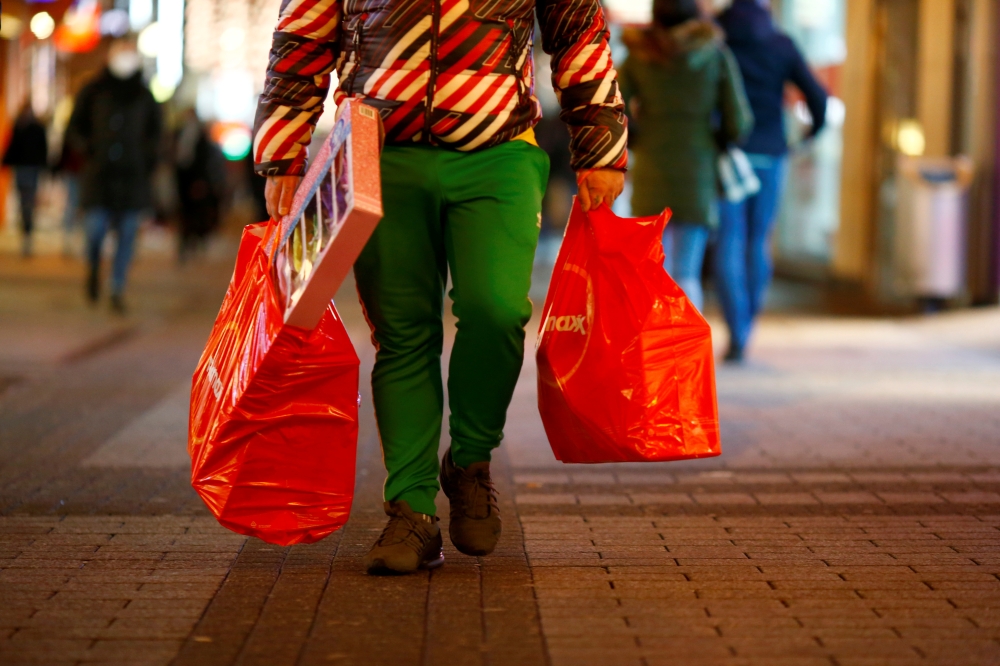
575, 34
304, 52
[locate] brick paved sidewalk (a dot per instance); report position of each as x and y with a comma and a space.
854, 519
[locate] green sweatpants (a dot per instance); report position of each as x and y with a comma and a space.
476, 215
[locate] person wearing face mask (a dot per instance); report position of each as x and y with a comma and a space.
115, 127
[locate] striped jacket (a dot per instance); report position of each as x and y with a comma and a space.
450, 73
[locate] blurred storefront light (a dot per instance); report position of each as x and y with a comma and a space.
232, 95
114, 22
814, 14
226, 52
170, 54
161, 92
909, 139
140, 13
11, 27
42, 25
149, 40
235, 141
43, 71
232, 38
630, 12
80, 30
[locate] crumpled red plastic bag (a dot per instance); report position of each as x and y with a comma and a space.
274, 413
625, 365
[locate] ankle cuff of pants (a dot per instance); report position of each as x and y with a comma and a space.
420, 500
463, 456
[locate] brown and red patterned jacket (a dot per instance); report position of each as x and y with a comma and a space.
450, 73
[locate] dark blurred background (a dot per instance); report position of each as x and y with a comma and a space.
891, 209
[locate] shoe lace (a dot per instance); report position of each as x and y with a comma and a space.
480, 496
401, 529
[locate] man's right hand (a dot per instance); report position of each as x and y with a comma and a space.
278, 194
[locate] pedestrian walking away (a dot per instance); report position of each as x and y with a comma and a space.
69, 168
462, 184
768, 59
200, 172
115, 126
27, 154
686, 94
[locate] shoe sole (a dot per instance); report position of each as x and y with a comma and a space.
473, 552
378, 567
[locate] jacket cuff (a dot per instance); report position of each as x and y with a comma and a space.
588, 162
281, 168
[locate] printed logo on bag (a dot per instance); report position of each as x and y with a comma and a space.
214, 379
565, 352
571, 324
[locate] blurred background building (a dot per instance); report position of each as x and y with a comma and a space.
914, 85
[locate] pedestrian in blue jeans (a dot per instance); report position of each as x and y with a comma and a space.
768, 60
684, 93
125, 224
115, 128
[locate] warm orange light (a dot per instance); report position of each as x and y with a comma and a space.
80, 30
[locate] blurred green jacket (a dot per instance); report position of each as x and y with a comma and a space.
685, 95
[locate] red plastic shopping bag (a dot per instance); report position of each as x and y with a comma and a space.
274, 412
625, 365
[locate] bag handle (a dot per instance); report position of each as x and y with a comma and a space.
272, 241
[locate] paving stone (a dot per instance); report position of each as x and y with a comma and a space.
537, 498
661, 498
723, 498
597, 499
846, 497
646, 478
909, 498
538, 480
785, 498
972, 497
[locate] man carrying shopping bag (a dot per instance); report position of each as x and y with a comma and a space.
462, 184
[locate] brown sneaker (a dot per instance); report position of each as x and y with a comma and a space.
410, 541
475, 517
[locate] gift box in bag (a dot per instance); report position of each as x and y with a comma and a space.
274, 404
625, 365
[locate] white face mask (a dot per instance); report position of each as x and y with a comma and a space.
124, 64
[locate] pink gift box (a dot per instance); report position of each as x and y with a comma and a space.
335, 209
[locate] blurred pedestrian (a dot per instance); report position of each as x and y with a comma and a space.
200, 174
686, 95
28, 155
69, 167
116, 126
768, 60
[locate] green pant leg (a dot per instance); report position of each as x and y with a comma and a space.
493, 212
401, 277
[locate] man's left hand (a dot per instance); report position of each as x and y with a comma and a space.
599, 186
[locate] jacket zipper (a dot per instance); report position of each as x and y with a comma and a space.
432, 78
358, 36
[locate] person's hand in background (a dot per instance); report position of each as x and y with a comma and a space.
598, 186
278, 194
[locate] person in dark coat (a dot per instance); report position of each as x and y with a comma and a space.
27, 154
200, 174
768, 60
685, 90
116, 126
